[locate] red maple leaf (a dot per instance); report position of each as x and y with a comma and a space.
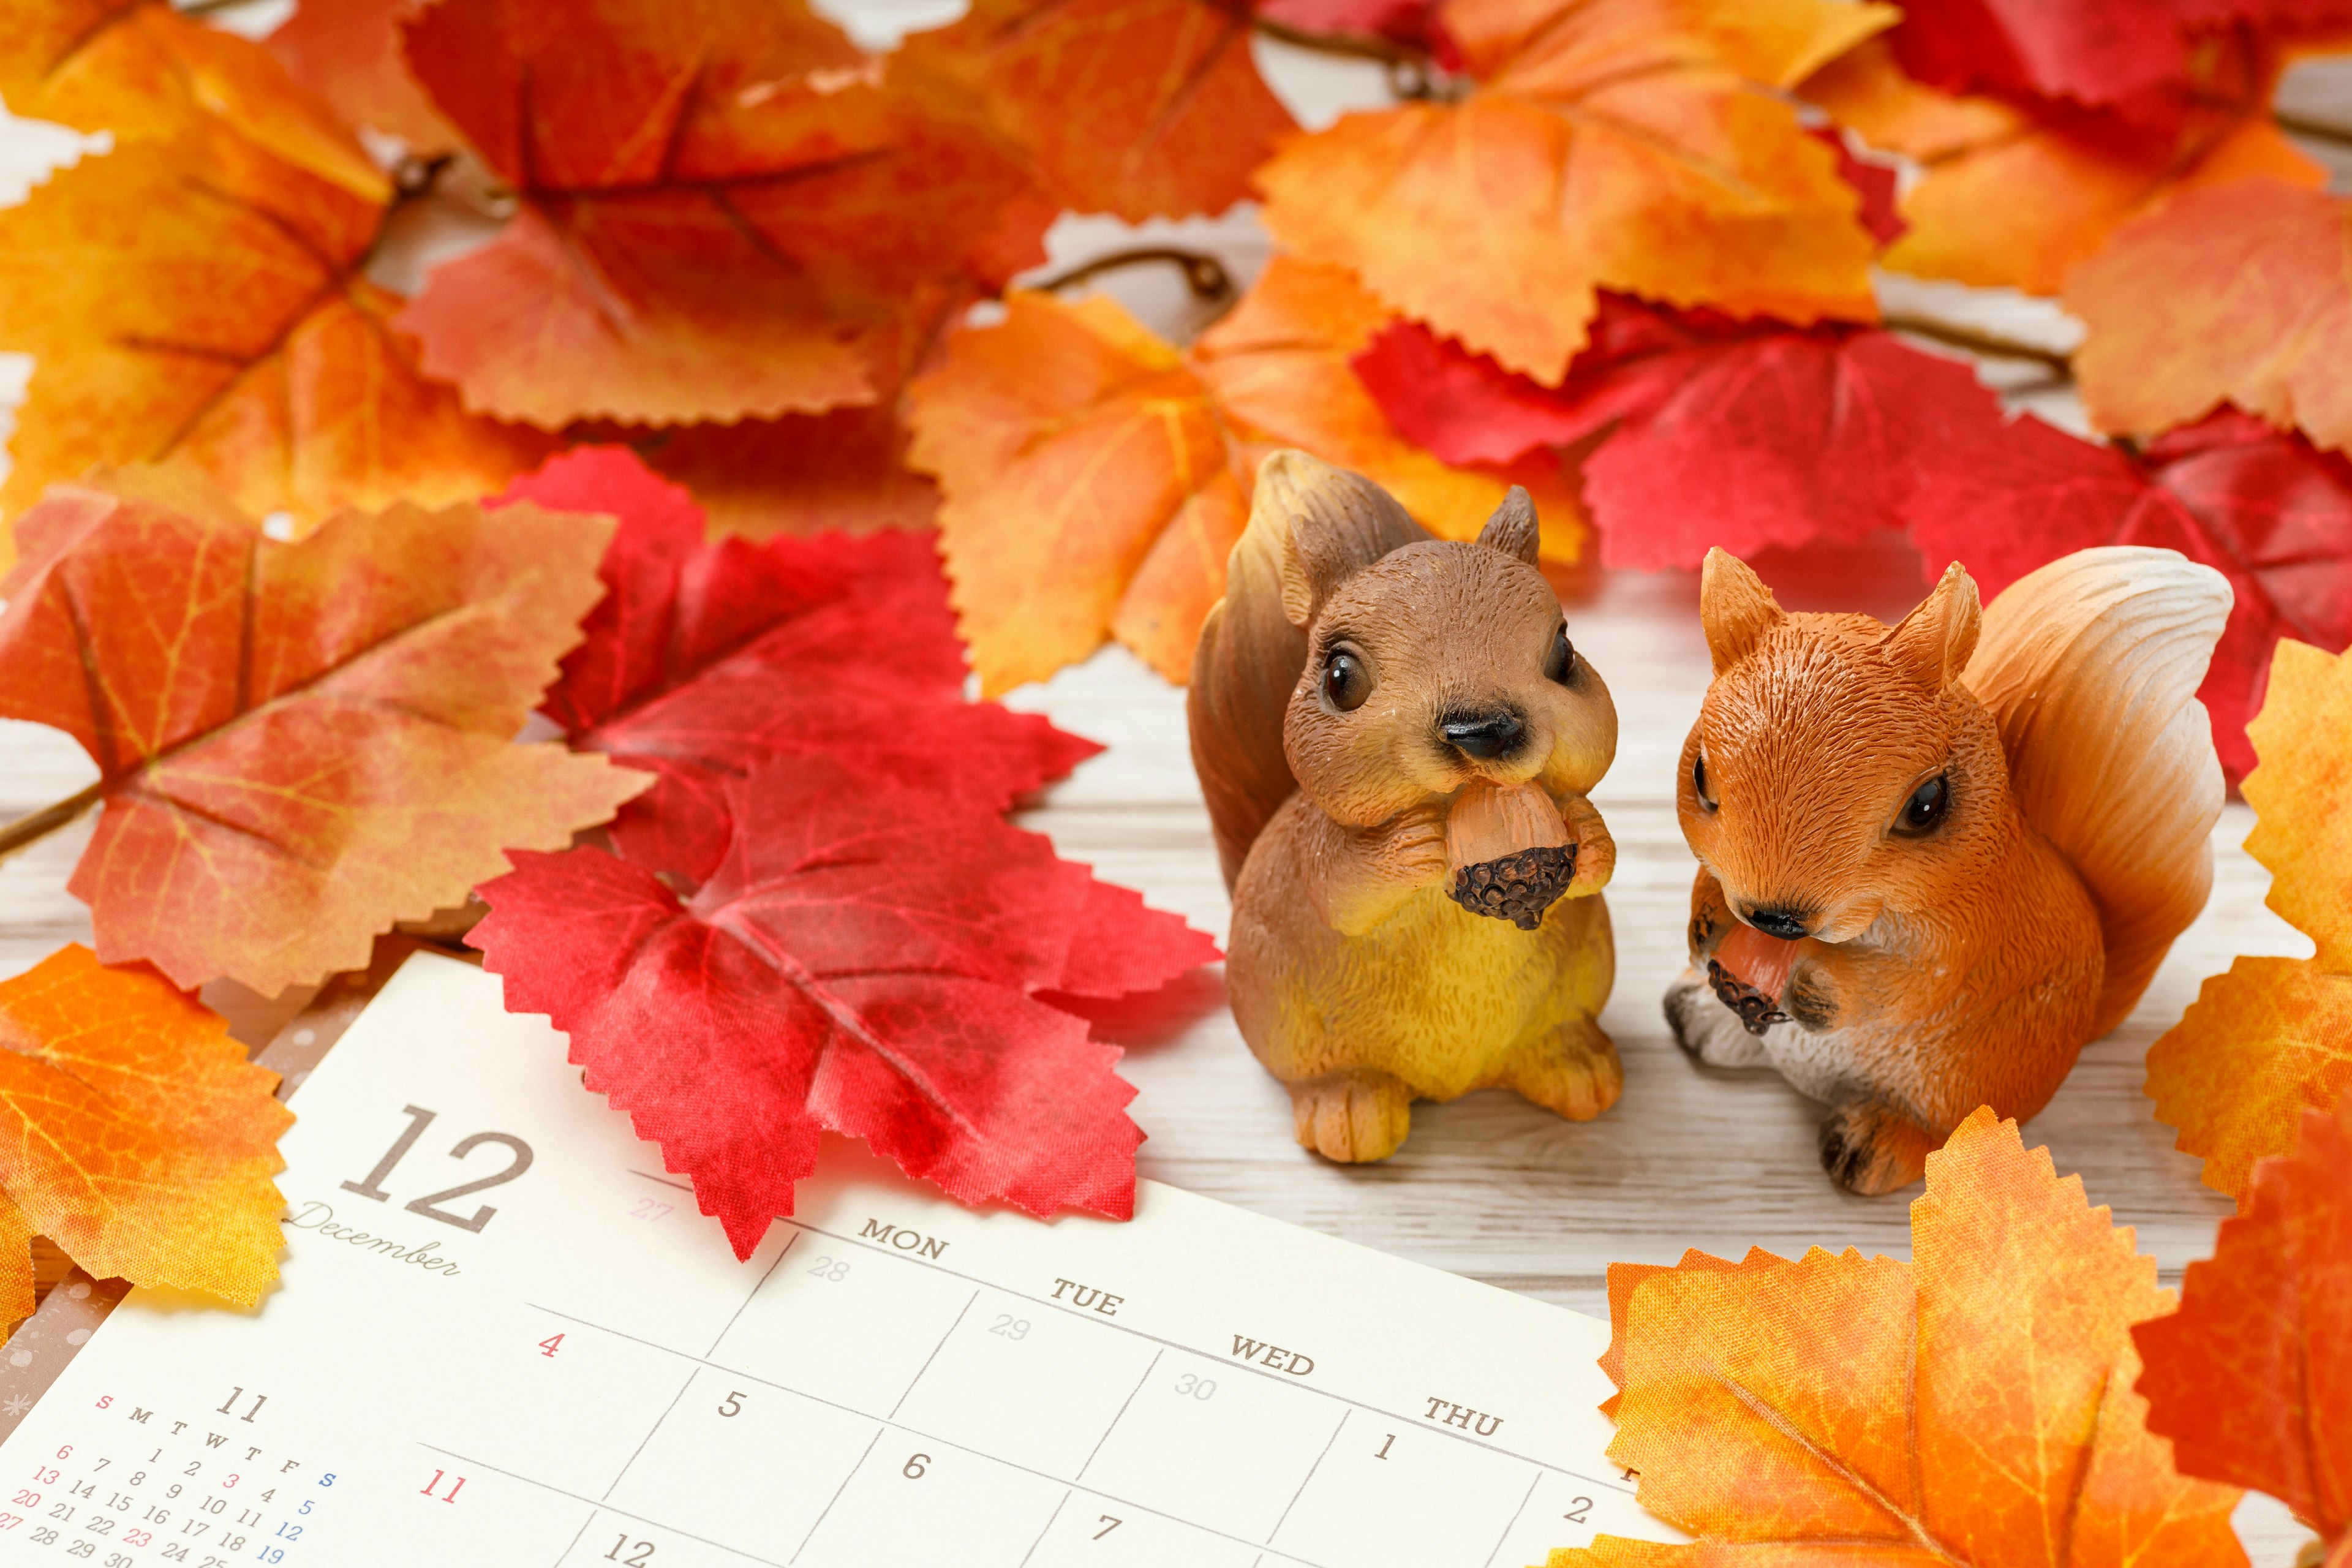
865, 961
705, 661
2251, 1378
1741, 434
2267, 510
2099, 52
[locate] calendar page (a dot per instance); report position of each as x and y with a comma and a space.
505, 1336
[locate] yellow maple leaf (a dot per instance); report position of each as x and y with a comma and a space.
2272, 1038
1972, 1406
200, 292
134, 1134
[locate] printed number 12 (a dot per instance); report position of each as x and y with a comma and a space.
639, 1555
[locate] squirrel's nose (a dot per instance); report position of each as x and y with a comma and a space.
1484, 735
1773, 921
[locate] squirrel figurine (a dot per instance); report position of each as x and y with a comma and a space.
1396, 738
1938, 858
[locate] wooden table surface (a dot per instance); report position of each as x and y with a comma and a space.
1490, 1186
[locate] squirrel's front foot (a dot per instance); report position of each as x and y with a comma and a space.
1870, 1149
1353, 1115
1573, 1070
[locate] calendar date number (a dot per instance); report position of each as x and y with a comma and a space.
371, 1185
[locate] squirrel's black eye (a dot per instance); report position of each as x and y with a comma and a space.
1699, 782
1346, 681
1559, 660
1925, 810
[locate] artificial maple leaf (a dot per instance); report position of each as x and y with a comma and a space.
2266, 511
2272, 1038
2250, 283
1135, 108
1972, 1406
842, 471
198, 292
724, 210
348, 52
705, 662
1094, 478
865, 962
136, 1136
1621, 145
298, 744
2103, 52
141, 72
1743, 434
2019, 194
2251, 1378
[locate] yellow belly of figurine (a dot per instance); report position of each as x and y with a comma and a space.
1430, 1003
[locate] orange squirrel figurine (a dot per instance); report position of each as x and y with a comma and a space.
1935, 859
1396, 738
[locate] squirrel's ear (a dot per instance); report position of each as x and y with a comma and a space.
1932, 644
1330, 524
1735, 607
1512, 529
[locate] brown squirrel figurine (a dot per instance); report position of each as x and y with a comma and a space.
1396, 738
1935, 859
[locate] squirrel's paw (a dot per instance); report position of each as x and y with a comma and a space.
1869, 1149
1353, 1116
1708, 1030
1572, 1070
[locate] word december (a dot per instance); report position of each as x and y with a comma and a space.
321, 1218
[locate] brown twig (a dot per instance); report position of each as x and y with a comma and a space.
2317, 129
1411, 73
27, 830
1986, 344
1204, 274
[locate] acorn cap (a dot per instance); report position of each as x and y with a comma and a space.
1518, 887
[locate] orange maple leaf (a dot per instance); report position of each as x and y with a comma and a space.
724, 210
2251, 1378
298, 744
1094, 478
199, 291
1130, 107
2018, 198
348, 52
2272, 1038
1972, 1406
134, 1134
2236, 293
1627, 145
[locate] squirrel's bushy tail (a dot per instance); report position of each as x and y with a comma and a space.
1253, 644
2091, 664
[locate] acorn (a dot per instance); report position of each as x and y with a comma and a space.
1509, 851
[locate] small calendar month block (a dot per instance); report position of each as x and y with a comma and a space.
504, 1334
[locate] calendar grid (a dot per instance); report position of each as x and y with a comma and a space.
818, 1522
1149, 1368
1368, 1409
886, 1425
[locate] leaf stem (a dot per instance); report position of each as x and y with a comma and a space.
2317, 129
27, 830
1204, 274
1986, 344
1411, 73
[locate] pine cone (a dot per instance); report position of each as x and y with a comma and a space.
1518, 887
1756, 1010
